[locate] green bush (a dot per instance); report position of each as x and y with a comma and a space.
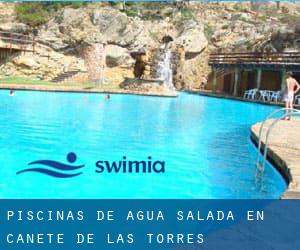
132, 12
32, 14
148, 10
208, 31
187, 13
54, 6
284, 10
38, 13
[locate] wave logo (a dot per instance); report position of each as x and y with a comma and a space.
55, 168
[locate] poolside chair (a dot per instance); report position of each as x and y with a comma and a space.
250, 94
265, 95
297, 99
262, 95
275, 96
253, 94
246, 94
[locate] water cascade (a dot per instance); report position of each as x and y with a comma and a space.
153, 71
164, 70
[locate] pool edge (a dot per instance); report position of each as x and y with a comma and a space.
281, 164
61, 89
233, 98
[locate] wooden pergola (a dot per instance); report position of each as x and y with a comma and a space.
256, 61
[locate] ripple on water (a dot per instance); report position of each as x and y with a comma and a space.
203, 141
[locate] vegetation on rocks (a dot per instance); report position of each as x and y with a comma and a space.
209, 30
38, 13
32, 14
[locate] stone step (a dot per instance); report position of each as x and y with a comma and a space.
65, 75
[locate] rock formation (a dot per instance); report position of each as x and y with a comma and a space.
131, 41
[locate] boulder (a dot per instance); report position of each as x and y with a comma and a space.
285, 37
14, 27
76, 27
192, 38
153, 87
220, 34
25, 61
118, 56
194, 69
136, 36
52, 40
111, 23
73, 17
246, 17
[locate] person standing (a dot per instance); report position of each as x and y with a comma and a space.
292, 88
203, 83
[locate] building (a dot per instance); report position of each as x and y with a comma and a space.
234, 73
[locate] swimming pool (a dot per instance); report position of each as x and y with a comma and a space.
204, 142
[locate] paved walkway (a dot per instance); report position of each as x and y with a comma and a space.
284, 151
227, 96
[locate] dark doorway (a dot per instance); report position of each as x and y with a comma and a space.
227, 83
251, 80
270, 80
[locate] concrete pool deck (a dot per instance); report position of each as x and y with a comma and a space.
231, 97
284, 151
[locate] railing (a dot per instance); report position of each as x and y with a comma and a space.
260, 165
16, 41
255, 58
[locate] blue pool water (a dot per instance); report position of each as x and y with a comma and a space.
204, 142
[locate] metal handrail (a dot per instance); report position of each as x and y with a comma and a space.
269, 131
292, 112
17, 41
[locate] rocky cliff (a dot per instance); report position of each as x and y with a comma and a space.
130, 41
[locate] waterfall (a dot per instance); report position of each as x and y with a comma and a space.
165, 71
